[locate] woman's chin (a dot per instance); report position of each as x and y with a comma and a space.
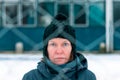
60, 61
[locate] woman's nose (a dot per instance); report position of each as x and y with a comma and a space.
59, 50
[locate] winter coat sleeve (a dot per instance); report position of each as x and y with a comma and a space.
91, 75
32, 75
28, 76
87, 75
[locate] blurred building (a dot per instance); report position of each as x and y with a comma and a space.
96, 22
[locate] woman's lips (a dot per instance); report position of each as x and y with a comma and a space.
60, 58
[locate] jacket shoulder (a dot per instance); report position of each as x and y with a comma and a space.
91, 75
32, 75
87, 75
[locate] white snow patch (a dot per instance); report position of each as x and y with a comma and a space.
14, 66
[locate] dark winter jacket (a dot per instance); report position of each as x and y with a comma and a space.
74, 70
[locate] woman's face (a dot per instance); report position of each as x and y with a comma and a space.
59, 50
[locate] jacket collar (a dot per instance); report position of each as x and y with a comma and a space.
79, 62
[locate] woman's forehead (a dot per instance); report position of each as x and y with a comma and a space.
59, 39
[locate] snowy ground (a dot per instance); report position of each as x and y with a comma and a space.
14, 66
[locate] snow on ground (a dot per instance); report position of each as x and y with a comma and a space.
106, 67
14, 66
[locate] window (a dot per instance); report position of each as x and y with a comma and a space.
116, 10
97, 14
45, 13
63, 8
11, 14
0, 14
28, 14
80, 14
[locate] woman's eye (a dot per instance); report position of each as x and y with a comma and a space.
52, 44
66, 44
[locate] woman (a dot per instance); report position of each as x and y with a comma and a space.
61, 61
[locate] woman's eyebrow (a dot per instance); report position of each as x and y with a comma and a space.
66, 41
51, 42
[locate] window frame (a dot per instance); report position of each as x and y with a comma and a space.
104, 9
48, 14
1, 20
63, 3
34, 14
86, 14
5, 15
115, 20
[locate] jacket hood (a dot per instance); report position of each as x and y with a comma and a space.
79, 63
